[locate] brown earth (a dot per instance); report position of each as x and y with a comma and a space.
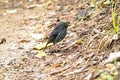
83, 51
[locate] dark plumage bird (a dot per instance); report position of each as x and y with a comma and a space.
58, 33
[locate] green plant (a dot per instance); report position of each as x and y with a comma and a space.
115, 22
104, 75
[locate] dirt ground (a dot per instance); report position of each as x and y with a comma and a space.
83, 51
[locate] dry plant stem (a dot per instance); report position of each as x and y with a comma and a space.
64, 70
91, 40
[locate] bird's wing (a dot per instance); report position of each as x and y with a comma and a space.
52, 38
45, 46
60, 36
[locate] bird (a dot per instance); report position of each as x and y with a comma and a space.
58, 33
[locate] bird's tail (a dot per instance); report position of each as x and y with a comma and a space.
45, 46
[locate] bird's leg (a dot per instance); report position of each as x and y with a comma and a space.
56, 48
45, 47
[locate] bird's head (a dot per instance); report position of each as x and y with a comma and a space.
67, 24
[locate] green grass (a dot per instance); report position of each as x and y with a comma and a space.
115, 19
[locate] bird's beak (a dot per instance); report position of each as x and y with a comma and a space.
68, 23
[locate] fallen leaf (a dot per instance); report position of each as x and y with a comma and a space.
38, 26
48, 3
79, 41
23, 40
41, 46
31, 6
11, 11
54, 66
40, 5
71, 26
33, 16
109, 66
40, 54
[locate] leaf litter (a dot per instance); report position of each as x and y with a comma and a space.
89, 27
